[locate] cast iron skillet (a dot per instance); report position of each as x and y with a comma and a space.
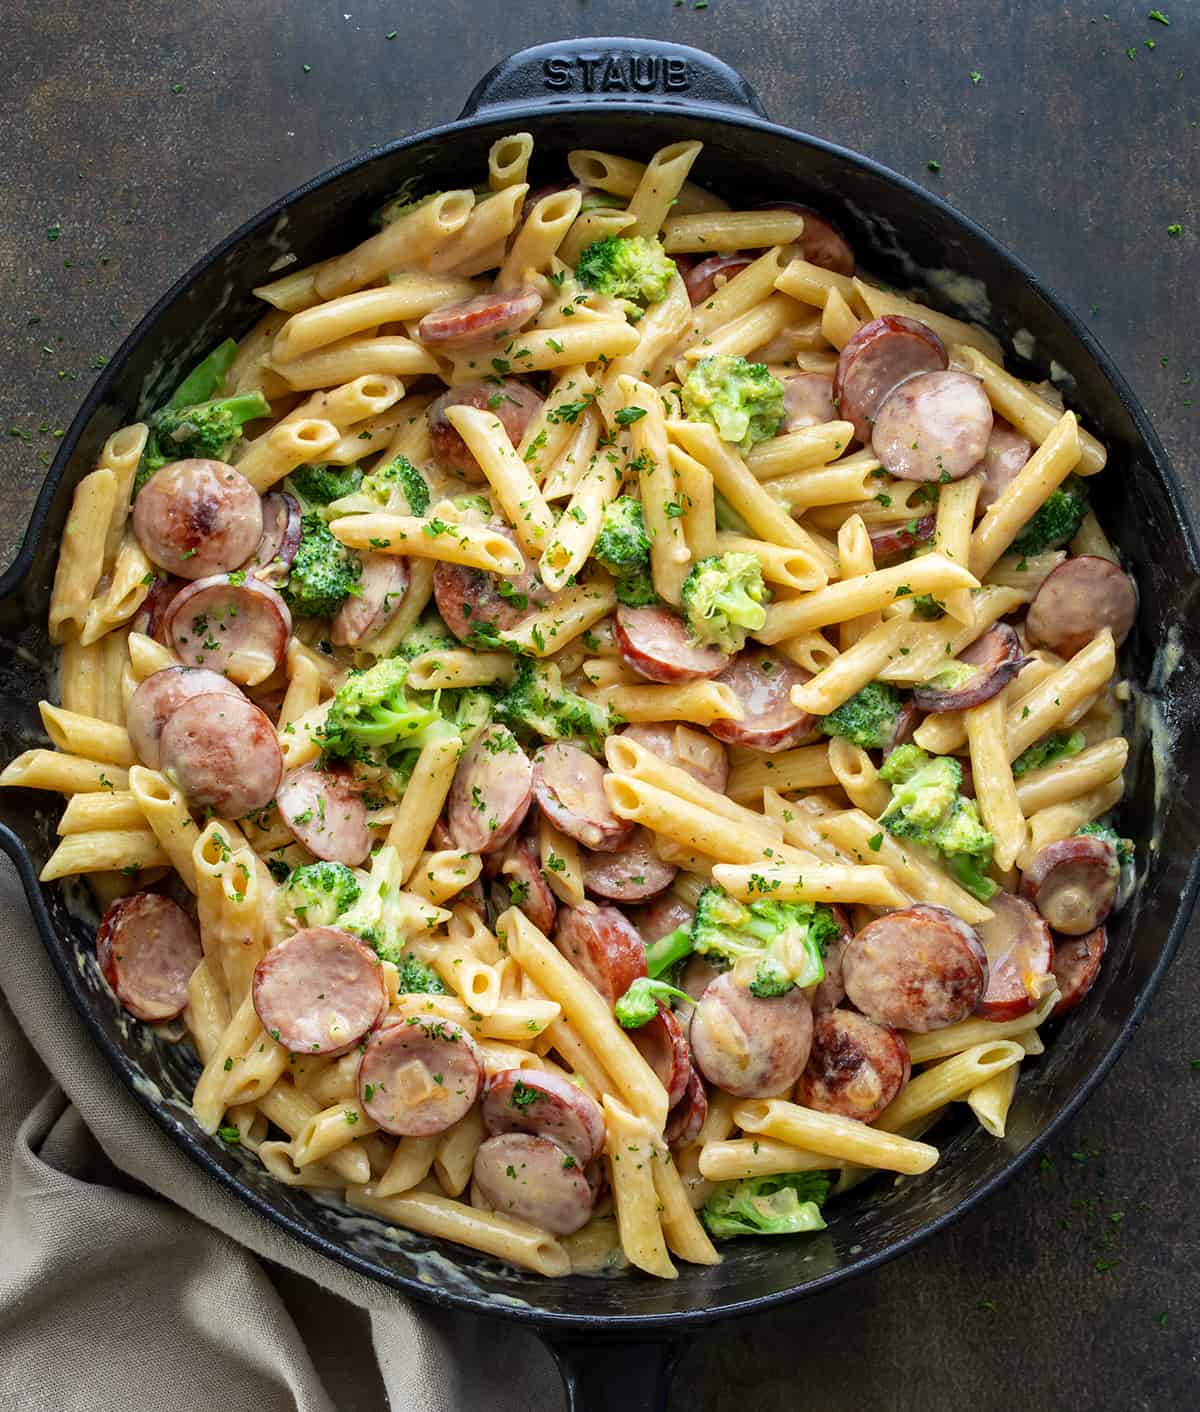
632, 96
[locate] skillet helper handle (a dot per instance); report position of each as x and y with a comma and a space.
614, 1375
633, 71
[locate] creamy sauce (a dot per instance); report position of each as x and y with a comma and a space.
1024, 344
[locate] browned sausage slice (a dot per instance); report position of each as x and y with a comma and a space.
319, 991
239, 628
482, 319
418, 1076
751, 1048
491, 793
1073, 883
762, 681
1007, 451
383, 584
880, 356
535, 1180
891, 540
631, 873
704, 758
151, 617
821, 243
1020, 955
831, 991
1077, 601
282, 528
147, 947
603, 947
514, 402
920, 968
685, 1120
807, 401
521, 883
856, 1067
998, 658
197, 518
663, 1046
569, 785
326, 813
661, 917
1076, 966
702, 279
223, 752
934, 427
158, 696
656, 643
469, 598
542, 1103
698, 974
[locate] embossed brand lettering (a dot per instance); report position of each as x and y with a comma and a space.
616, 73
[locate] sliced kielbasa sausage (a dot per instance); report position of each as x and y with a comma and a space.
1020, 956
491, 793
603, 946
535, 1180
514, 402
1077, 601
1076, 966
282, 528
569, 786
1073, 883
762, 682
147, 948
880, 356
542, 1103
821, 242
855, 1068
661, 917
831, 990
704, 758
631, 873
326, 813
481, 319
655, 642
151, 617
1007, 451
685, 1120
521, 883
934, 427
239, 628
997, 658
197, 518
702, 279
920, 968
751, 1048
698, 974
469, 599
890, 540
158, 696
807, 401
662, 1044
383, 584
223, 752
319, 991
419, 1075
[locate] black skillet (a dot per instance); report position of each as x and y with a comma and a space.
615, 1338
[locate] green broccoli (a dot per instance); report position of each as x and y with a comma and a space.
786, 1204
623, 547
668, 951
928, 808
1059, 746
397, 486
1124, 846
323, 574
208, 430
773, 946
742, 400
927, 607
387, 918
602, 200
316, 894
371, 710
207, 378
722, 599
402, 203
537, 703
430, 634
869, 718
627, 267
467, 709
639, 1005
320, 482
416, 978
1055, 521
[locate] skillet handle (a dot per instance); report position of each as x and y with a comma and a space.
614, 1375
633, 71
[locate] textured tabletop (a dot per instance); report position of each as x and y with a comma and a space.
136, 135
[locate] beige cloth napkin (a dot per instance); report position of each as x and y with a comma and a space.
131, 1282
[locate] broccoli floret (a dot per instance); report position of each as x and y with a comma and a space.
208, 430
371, 710
321, 482
416, 978
627, 267
927, 808
742, 400
728, 518
623, 547
398, 487
869, 718
1056, 520
538, 703
781, 1205
926, 607
387, 918
323, 574
468, 710
639, 1005
1124, 846
773, 946
668, 951
430, 634
722, 599
317, 894
1059, 746
602, 200
207, 378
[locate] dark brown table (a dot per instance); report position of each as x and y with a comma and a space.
136, 134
